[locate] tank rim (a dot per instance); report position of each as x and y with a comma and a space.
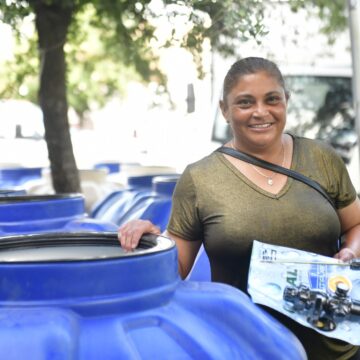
38, 198
149, 244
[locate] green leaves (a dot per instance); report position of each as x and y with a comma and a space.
333, 13
111, 42
12, 12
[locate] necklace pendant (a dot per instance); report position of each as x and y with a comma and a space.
270, 181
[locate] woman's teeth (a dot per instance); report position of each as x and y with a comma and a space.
261, 125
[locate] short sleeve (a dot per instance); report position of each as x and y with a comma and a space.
184, 219
341, 188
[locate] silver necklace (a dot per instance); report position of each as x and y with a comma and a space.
270, 179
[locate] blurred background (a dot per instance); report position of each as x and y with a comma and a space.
84, 83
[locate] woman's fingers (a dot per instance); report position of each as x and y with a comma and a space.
130, 233
345, 254
126, 236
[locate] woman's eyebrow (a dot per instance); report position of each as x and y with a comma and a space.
244, 95
274, 92
250, 96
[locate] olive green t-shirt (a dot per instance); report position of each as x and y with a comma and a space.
215, 203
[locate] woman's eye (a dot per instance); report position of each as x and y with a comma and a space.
244, 103
273, 99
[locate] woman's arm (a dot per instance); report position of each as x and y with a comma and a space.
130, 233
350, 226
187, 251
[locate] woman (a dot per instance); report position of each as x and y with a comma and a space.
225, 203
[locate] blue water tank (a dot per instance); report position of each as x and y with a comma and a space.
12, 192
140, 181
165, 184
41, 213
112, 167
16, 176
154, 205
80, 296
200, 270
158, 209
117, 204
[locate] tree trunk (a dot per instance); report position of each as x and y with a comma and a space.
52, 22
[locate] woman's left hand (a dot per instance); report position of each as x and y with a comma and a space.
350, 226
129, 234
345, 254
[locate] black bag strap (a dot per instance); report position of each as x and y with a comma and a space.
279, 169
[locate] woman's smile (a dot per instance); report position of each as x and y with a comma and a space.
261, 126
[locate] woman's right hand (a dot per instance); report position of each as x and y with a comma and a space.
130, 233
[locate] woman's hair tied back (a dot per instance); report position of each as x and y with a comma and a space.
251, 65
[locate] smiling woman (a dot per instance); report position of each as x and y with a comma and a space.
224, 204
320, 107
255, 109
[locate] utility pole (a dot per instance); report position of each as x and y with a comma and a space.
354, 25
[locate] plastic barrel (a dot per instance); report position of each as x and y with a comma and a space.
201, 270
80, 296
10, 177
12, 192
154, 205
147, 181
111, 167
42, 213
165, 184
117, 204
157, 209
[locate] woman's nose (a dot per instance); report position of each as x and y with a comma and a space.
261, 110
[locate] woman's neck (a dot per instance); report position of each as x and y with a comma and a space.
271, 153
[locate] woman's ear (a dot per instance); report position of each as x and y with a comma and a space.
224, 109
287, 95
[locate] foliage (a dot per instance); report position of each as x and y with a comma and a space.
221, 23
111, 42
18, 78
333, 14
12, 12
96, 71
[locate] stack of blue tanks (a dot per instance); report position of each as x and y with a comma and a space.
69, 291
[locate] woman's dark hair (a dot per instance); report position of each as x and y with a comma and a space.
251, 65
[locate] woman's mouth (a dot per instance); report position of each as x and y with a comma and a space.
260, 126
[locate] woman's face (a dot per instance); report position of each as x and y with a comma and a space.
256, 111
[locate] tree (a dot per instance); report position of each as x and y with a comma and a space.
127, 30
90, 71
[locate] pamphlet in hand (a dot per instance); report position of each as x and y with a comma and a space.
317, 291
